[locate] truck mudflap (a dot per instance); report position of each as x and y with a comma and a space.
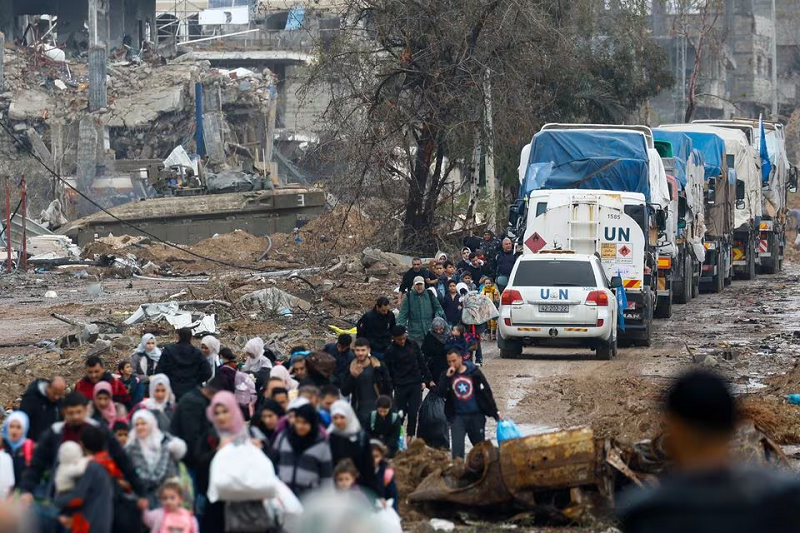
664, 281
739, 255
635, 314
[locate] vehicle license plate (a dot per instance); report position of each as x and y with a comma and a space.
553, 308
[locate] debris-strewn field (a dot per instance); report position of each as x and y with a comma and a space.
298, 289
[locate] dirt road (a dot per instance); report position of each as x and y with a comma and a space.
747, 333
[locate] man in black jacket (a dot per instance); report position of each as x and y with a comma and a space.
190, 422
708, 488
366, 380
184, 364
42, 403
341, 351
409, 376
408, 278
45, 455
504, 264
468, 400
376, 326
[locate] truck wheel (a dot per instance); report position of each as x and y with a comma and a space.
769, 265
682, 290
663, 307
509, 349
719, 280
696, 286
750, 273
646, 337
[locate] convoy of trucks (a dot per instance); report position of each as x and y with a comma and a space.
668, 211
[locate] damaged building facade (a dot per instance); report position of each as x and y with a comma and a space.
95, 90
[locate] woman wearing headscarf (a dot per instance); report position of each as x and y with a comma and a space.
349, 441
154, 455
280, 371
103, 408
210, 346
145, 358
229, 429
16, 442
433, 347
303, 455
256, 362
161, 401
265, 421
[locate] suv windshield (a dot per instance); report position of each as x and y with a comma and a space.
554, 274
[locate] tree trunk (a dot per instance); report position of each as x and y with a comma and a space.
418, 221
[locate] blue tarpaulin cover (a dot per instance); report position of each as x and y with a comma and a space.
713, 149
587, 159
681, 148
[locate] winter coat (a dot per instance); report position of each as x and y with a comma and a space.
45, 456
385, 475
504, 263
406, 364
118, 391
190, 423
386, 429
40, 410
155, 518
19, 458
95, 491
381, 378
140, 360
357, 448
164, 468
343, 361
483, 393
435, 355
377, 328
306, 471
452, 307
417, 312
185, 366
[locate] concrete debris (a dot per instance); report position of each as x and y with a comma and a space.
274, 300
176, 315
99, 347
52, 247
439, 524
50, 294
370, 256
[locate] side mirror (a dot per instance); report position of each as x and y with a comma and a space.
793, 180
711, 192
682, 207
616, 282
661, 220
681, 223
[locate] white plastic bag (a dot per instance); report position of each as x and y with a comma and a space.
285, 499
387, 520
7, 480
241, 472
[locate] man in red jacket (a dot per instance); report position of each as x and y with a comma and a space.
95, 372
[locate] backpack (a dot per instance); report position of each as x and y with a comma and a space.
180, 521
244, 389
373, 416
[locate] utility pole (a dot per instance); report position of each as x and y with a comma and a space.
491, 181
774, 64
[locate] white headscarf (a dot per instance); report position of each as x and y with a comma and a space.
150, 445
155, 381
256, 360
155, 353
343, 408
280, 371
213, 345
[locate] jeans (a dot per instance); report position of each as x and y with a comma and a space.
472, 425
408, 398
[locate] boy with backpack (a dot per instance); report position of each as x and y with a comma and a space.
386, 425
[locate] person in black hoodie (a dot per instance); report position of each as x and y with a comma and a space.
468, 400
184, 364
386, 425
348, 440
341, 351
451, 303
42, 403
376, 326
409, 376
366, 379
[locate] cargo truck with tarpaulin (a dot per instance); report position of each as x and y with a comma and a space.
590, 188
686, 217
778, 178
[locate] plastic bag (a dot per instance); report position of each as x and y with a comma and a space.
507, 430
387, 520
241, 472
432, 427
285, 500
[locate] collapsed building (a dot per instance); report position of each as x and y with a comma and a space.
88, 92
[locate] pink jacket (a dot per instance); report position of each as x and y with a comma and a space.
155, 520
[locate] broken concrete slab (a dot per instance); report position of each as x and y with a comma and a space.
141, 109
379, 269
370, 256
99, 347
29, 105
275, 299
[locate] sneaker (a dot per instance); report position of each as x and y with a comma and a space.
479, 364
